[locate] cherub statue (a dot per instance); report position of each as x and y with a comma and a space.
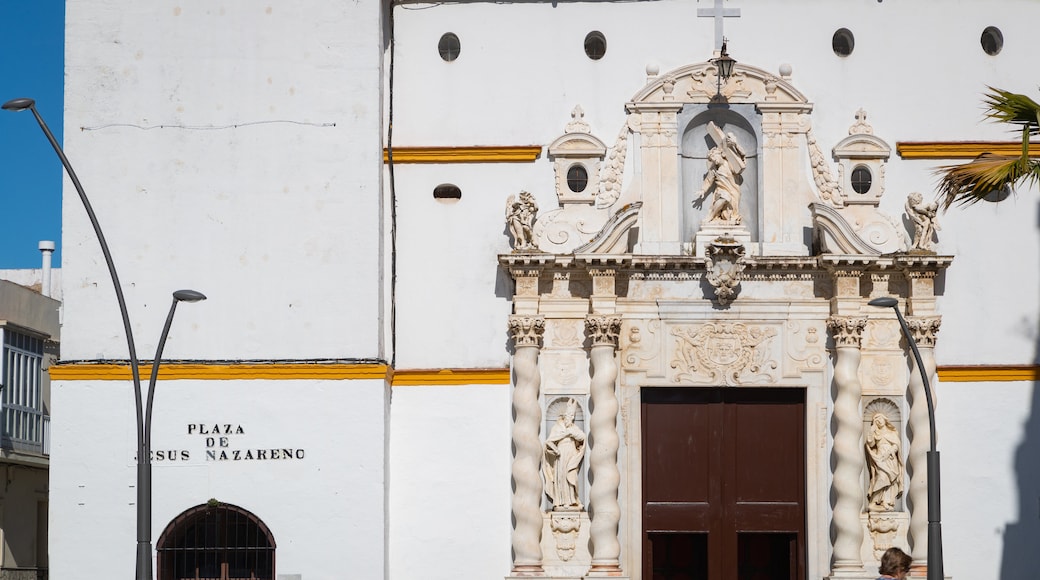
520, 216
726, 161
923, 216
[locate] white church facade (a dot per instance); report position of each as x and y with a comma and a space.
540, 289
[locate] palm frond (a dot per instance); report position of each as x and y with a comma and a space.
1007, 107
971, 182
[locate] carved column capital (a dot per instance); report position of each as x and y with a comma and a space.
924, 329
526, 330
603, 329
847, 330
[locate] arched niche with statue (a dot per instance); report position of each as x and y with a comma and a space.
739, 121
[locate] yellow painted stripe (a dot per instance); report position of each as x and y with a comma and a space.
961, 149
210, 371
511, 154
283, 371
432, 377
983, 374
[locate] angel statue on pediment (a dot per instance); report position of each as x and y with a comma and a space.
520, 215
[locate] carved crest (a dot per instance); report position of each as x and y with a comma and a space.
725, 267
726, 353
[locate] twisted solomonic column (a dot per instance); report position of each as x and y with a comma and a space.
603, 494
924, 330
526, 332
848, 445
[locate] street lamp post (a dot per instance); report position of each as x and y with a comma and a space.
144, 414
935, 560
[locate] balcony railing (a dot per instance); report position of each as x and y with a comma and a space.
25, 430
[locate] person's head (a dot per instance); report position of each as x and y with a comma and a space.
895, 563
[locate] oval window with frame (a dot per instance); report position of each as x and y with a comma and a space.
449, 47
992, 40
577, 178
595, 45
843, 42
861, 179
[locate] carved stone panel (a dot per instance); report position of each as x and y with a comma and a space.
720, 353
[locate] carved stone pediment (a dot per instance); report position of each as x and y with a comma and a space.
577, 145
698, 83
856, 230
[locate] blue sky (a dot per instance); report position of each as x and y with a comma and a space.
32, 64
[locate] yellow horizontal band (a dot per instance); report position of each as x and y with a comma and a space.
984, 374
961, 149
210, 372
513, 154
282, 371
413, 377
430, 377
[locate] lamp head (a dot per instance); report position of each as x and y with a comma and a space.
188, 296
724, 62
884, 302
19, 104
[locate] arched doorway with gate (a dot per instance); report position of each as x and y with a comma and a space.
216, 541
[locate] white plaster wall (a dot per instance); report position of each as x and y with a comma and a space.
233, 149
522, 65
989, 443
326, 511
449, 482
453, 300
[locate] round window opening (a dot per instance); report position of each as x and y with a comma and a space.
843, 42
861, 179
577, 178
449, 47
595, 45
992, 40
447, 191
998, 195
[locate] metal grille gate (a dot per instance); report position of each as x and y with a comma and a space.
216, 542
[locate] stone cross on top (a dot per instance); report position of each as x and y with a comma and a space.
718, 13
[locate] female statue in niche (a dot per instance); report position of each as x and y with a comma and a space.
885, 464
564, 450
726, 161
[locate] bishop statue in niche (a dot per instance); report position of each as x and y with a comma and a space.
564, 450
726, 162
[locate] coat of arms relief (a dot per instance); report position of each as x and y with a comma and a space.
725, 353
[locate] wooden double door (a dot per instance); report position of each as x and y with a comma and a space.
723, 483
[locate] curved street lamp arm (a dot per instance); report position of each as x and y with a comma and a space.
108, 260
